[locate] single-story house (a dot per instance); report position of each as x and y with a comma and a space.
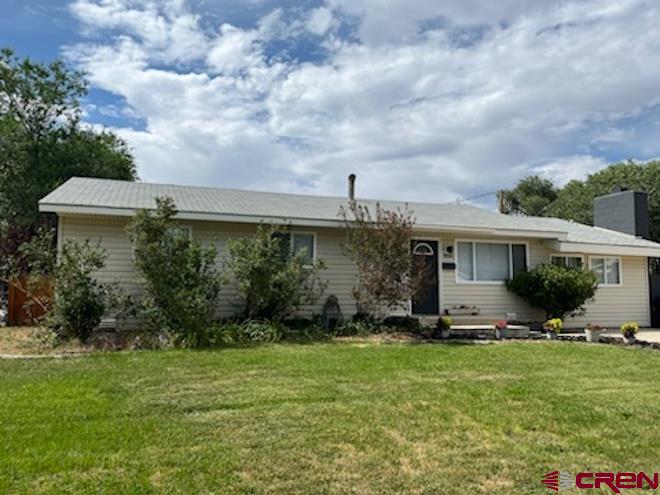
473, 250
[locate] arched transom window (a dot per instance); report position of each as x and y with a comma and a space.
423, 249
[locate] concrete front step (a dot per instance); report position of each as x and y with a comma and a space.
468, 331
464, 320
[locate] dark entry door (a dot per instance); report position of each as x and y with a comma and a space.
426, 252
654, 289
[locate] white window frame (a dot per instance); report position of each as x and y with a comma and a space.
605, 257
567, 255
474, 242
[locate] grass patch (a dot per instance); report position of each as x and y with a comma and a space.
327, 418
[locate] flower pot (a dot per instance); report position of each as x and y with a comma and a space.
592, 335
501, 333
444, 333
629, 339
551, 335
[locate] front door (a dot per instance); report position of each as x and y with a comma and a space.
426, 253
654, 289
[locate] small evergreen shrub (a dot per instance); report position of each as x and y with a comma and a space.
557, 290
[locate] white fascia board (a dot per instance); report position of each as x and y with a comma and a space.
588, 248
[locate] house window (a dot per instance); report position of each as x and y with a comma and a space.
181, 230
567, 261
489, 261
297, 242
607, 270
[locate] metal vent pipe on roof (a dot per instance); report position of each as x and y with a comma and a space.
351, 187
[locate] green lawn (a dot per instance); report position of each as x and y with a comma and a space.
327, 418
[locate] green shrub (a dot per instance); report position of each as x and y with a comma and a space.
364, 326
554, 325
271, 284
444, 323
80, 300
246, 332
403, 323
557, 290
181, 283
630, 329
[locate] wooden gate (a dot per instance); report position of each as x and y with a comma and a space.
23, 310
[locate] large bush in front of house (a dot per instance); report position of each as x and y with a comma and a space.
180, 280
80, 300
379, 243
557, 290
272, 281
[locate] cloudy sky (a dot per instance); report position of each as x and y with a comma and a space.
424, 99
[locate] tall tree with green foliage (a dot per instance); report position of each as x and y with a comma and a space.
575, 200
532, 196
42, 140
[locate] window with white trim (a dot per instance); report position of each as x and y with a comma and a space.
297, 242
566, 261
607, 270
489, 261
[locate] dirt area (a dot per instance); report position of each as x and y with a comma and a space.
28, 341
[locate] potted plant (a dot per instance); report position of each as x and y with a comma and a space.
552, 327
501, 327
593, 332
629, 330
443, 326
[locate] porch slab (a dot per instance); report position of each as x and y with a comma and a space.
517, 331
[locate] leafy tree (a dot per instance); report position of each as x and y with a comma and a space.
532, 196
557, 290
181, 283
379, 245
42, 142
575, 200
272, 281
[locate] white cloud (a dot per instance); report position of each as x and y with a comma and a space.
166, 29
233, 50
418, 114
319, 21
570, 168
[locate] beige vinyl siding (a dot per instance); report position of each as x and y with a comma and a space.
493, 299
613, 305
110, 234
616, 305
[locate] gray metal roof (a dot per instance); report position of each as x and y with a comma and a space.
123, 195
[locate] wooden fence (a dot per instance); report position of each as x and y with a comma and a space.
22, 309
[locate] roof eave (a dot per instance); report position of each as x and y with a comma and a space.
66, 209
593, 248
